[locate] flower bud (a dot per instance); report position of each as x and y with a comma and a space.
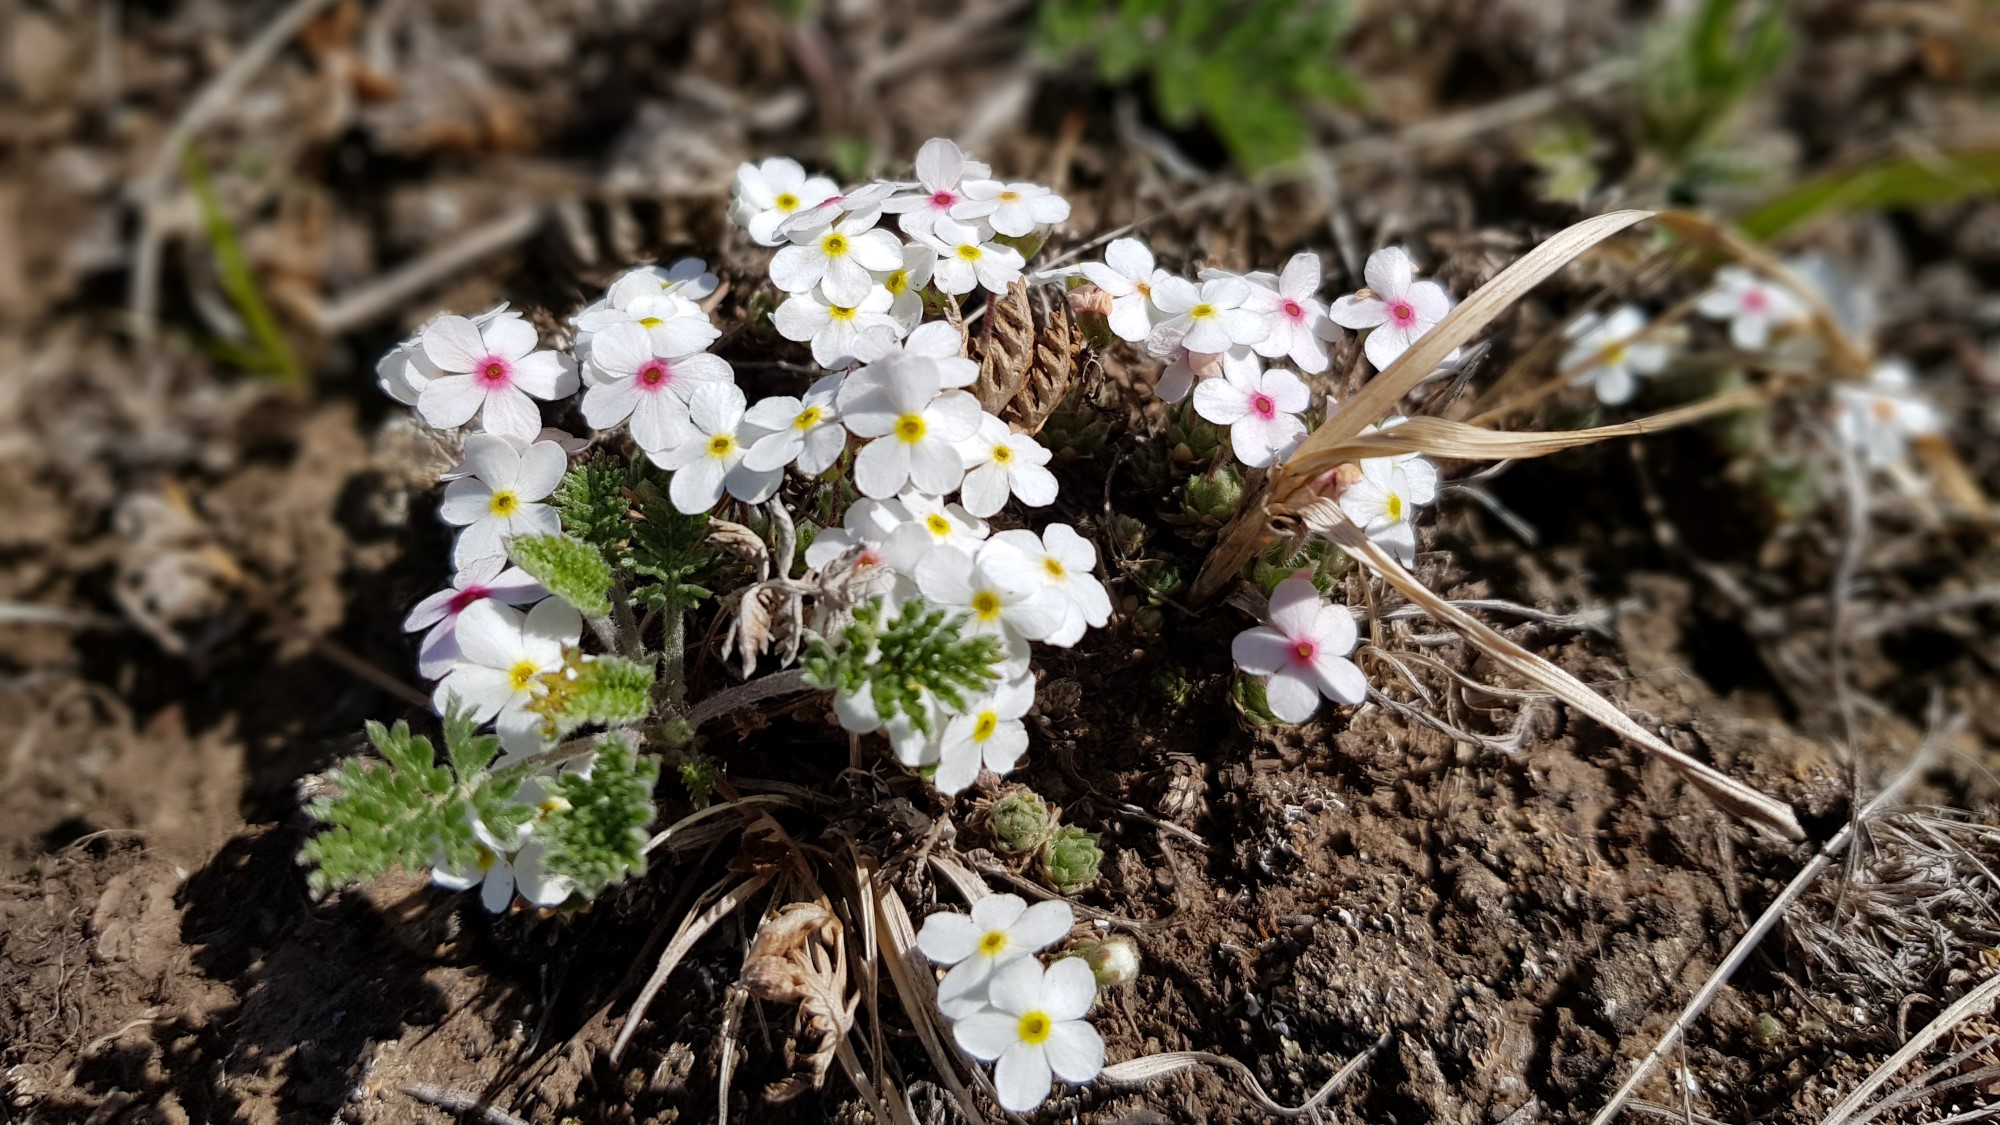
1127, 534
1113, 961
1213, 497
1089, 300
1020, 822
1070, 860
1336, 480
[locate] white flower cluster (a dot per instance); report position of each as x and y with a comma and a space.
1005, 1007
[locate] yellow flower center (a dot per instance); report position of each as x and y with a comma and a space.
1034, 1028
994, 943
969, 252
504, 503
487, 857
938, 525
1613, 353
787, 202
808, 418
911, 428
984, 726
1010, 197
721, 445
522, 674
1002, 455
1395, 506
986, 605
1202, 311
650, 322
1143, 289
551, 804
837, 312
897, 282
833, 245
1055, 567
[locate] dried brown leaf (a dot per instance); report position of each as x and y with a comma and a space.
798, 958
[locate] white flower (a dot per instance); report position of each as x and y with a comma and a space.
505, 654
1001, 930
1606, 357
997, 592
1261, 408
864, 202
1184, 369
1012, 209
1398, 307
1304, 651
676, 324
1298, 321
937, 340
478, 580
1033, 1026
929, 522
1750, 304
915, 428
629, 379
405, 370
1205, 318
1129, 276
999, 461
491, 371
499, 500
708, 458
840, 334
867, 524
1878, 418
837, 259
687, 279
1386, 498
941, 170
767, 194
968, 258
988, 734
1062, 560
496, 873
806, 430
906, 284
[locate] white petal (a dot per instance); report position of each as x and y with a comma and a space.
1261, 651
987, 1035
450, 402
453, 343
1075, 1051
1021, 1077
1291, 698
948, 937
1388, 272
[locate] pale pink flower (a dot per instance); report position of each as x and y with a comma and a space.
1304, 650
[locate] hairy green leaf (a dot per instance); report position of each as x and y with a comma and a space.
897, 662
595, 831
570, 568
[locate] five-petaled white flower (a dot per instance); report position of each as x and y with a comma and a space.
1606, 356
1386, 498
837, 259
1751, 305
806, 430
1129, 276
767, 194
927, 523
500, 498
906, 285
1014, 210
941, 172
676, 324
939, 341
988, 734
1304, 650
1879, 417
1033, 1027
505, 653
1000, 930
1206, 318
996, 590
474, 582
630, 379
404, 370
915, 428
840, 334
490, 370
1261, 408
968, 258
1298, 322
501, 867
1062, 560
1397, 306
707, 460
687, 278
999, 461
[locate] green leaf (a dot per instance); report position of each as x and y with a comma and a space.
595, 831
268, 352
922, 651
572, 569
1878, 185
605, 690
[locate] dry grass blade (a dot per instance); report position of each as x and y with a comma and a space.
969, 886
1327, 520
1149, 1067
691, 931
1976, 1002
910, 973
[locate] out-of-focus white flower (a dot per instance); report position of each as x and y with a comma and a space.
941, 174
997, 592
968, 258
405, 370
490, 370
687, 279
1261, 408
1207, 318
767, 194
999, 461
629, 379
1397, 306
475, 582
1000, 930
1297, 318
837, 259
1304, 650
1878, 418
1386, 498
840, 334
1033, 1029
500, 499
905, 285
988, 734
803, 430
914, 429
1014, 210
1751, 305
504, 655
1128, 275
1853, 304
1061, 560
708, 458
1608, 358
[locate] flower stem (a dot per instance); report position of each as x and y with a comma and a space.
745, 695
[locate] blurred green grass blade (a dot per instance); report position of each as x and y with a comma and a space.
268, 353
1879, 185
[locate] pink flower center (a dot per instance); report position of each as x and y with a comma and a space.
466, 597
1303, 651
1294, 310
1402, 313
1754, 301
1262, 406
494, 371
656, 373
943, 199
868, 558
